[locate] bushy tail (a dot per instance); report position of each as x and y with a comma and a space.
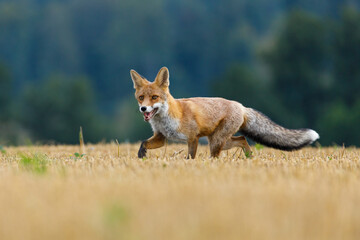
261, 129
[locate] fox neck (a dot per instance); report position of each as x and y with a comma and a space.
168, 121
174, 110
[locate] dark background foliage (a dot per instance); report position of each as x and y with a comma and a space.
65, 64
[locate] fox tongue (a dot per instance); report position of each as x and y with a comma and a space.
147, 116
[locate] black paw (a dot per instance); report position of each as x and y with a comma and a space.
142, 151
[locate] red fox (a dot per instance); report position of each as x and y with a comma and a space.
218, 119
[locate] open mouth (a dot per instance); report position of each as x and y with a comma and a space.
149, 115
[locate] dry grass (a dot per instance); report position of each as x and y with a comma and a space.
49, 193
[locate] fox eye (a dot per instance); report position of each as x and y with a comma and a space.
141, 98
154, 97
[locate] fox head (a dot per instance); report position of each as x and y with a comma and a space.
152, 96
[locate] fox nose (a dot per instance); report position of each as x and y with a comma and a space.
143, 109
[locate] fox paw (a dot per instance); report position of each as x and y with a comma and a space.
142, 151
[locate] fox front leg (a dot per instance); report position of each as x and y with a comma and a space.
156, 141
192, 147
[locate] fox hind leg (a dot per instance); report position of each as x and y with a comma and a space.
216, 142
238, 141
215, 148
220, 136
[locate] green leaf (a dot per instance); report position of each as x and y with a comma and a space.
36, 163
2, 150
248, 154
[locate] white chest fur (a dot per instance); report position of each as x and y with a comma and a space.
168, 126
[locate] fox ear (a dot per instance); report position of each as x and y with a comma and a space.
137, 79
162, 78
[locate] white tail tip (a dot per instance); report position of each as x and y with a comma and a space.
313, 135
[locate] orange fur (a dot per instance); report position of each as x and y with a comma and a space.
217, 118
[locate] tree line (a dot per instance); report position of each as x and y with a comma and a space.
65, 64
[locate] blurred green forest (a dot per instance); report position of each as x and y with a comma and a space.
65, 64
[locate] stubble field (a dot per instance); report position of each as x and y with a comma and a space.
49, 192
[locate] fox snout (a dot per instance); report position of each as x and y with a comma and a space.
148, 111
144, 109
